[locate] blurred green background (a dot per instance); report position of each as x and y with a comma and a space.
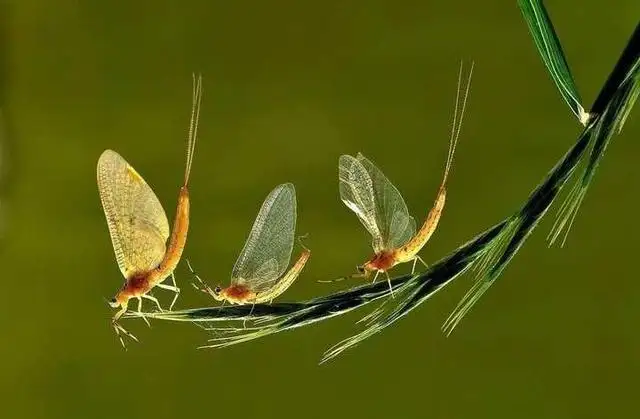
288, 87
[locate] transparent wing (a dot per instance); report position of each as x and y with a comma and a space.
267, 252
137, 223
392, 217
357, 193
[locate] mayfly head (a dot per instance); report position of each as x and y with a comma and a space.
364, 271
120, 300
218, 294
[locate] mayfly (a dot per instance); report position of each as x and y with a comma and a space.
381, 209
138, 224
257, 276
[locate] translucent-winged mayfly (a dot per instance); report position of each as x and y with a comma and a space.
139, 227
257, 276
381, 209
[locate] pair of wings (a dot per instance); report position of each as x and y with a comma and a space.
137, 222
376, 202
267, 252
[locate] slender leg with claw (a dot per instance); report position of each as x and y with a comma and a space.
176, 290
244, 323
168, 287
154, 299
119, 329
422, 261
415, 260
122, 331
171, 288
140, 311
116, 328
389, 281
375, 277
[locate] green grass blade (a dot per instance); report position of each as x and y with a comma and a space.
631, 98
609, 121
550, 50
597, 134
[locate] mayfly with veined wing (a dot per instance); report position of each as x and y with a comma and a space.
378, 204
257, 276
139, 227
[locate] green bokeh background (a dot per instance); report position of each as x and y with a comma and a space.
288, 87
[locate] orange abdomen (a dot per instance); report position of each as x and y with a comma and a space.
411, 248
178, 237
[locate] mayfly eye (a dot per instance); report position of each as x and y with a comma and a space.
217, 290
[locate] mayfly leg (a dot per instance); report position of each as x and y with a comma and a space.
388, 281
122, 331
140, 311
154, 299
174, 288
415, 260
244, 323
390, 286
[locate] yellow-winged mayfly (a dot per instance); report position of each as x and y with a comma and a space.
381, 209
138, 225
257, 275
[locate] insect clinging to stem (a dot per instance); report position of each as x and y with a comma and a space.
138, 225
257, 275
381, 209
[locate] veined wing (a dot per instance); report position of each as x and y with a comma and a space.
392, 216
267, 252
378, 204
357, 193
137, 222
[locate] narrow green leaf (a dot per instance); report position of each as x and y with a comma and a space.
609, 118
596, 135
550, 50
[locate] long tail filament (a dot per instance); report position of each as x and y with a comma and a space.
456, 126
193, 125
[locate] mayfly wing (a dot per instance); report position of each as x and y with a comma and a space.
392, 216
267, 252
137, 222
357, 193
